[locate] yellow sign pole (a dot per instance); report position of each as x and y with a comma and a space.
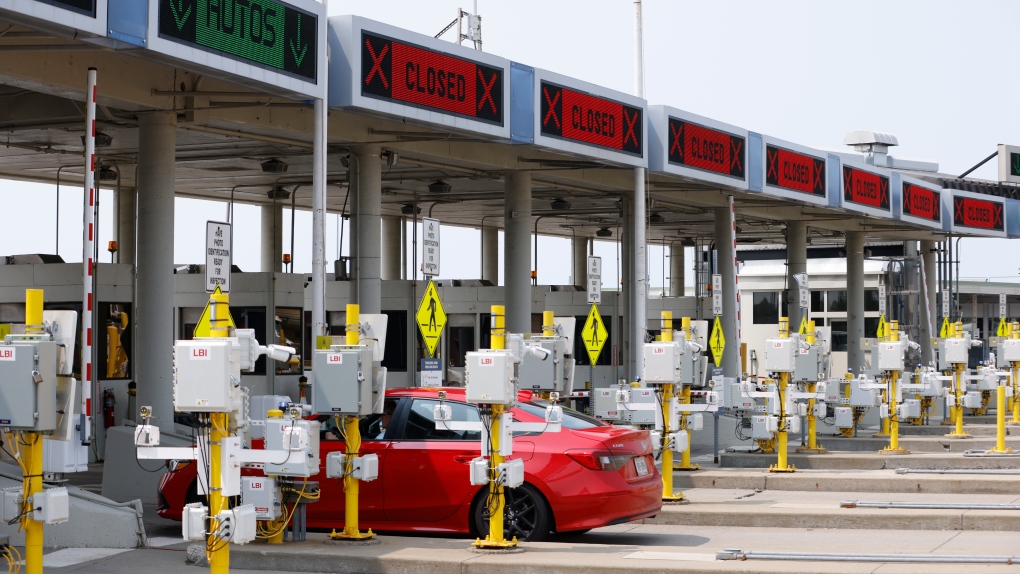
32, 448
812, 421
894, 419
352, 432
1015, 370
781, 434
217, 550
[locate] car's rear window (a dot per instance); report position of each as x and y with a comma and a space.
572, 419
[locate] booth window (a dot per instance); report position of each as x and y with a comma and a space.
871, 300
837, 301
395, 355
765, 308
112, 360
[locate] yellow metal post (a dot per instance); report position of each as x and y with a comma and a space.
781, 435
1015, 371
218, 551
668, 495
812, 421
497, 327
1000, 422
548, 324
32, 453
277, 537
884, 424
894, 419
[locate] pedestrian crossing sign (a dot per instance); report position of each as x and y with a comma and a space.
431, 318
594, 334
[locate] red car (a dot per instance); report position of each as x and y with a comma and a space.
588, 475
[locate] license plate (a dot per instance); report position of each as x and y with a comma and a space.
641, 466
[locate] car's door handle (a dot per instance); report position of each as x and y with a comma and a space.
466, 458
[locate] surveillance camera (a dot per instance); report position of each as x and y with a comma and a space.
146, 412
442, 395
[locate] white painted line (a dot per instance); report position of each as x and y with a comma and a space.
673, 556
72, 556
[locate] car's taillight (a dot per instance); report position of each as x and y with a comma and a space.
599, 459
175, 465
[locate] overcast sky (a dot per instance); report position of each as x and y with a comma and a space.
937, 73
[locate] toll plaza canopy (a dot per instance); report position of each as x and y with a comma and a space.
451, 122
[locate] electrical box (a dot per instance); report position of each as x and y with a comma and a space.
695, 422
820, 410
202, 376
780, 355
863, 397
643, 407
511, 473
193, 521
28, 385
910, 409
366, 468
844, 417
662, 362
547, 374
807, 365
972, 400
792, 425
760, 428
241, 522
489, 378
264, 494
735, 397
10, 508
479, 471
298, 444
989, 380
342, 381
891, 355
605, 406
1010, 350
956, 350
679, 441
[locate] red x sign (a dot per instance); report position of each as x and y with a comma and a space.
487, 91
630, 121
376, 64
551, 102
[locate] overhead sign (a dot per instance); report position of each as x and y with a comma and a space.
717, 342
594, 279
865, 188
590, 119
84, 15
594, 335
265, 43
431, 318
717, 295
795, 172
379, 69
430, 247
971, 212
1009, 163
204, 326
419, 76
704, 148
919, 202
218, 256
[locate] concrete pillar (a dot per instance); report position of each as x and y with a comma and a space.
126, 214
391, 244
854, 300
796, 262
366, 241
676, 269
639, 281
928, 294
154, 294
626, 272
579, 249
517, 249
490, 254
272, 238
725, 245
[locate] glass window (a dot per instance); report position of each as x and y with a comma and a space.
462, 341
871, 299
871, 327
421, 425
395, 355
818, 301
765, 309
484, 330
287, 331
837, 300
838, 335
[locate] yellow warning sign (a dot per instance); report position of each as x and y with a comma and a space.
944, 332
5, 329
882, 327
594, 334
803, 325
717, 342
431, 318
1003, 329
204, 326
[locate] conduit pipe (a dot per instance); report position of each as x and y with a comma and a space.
928, 505
732, 554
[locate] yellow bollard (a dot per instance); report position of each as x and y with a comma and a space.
278, 537
217, 551
781, 435
812, 421
1015, 371
548, 324
497, 327
1000, 422
496, 538
32, 452
668, 495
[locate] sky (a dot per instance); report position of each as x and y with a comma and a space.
936, 73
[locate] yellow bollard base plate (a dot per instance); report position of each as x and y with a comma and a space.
497, 545
777, 468
355, 535
686, 467
675, 498
816, 450
880, 434
1007, 450
957, 435
1012, 423
890, 450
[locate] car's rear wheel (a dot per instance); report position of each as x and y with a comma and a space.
525, 514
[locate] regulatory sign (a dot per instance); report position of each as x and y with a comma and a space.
431, 372
922, 202
590, 119
594, 334
430, 79
865, 188
793, 171
881, 299
431, 318
717, 295
717, 342
1009, 163
1002, 305
704, 148
971, 213
218, 247
204, 326
945, 303
594, 279
803, 290
430, 247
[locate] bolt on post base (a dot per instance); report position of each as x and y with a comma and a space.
489, 544
777, 468
891, 450
352, 535
809, 450
675, 498
1006, 450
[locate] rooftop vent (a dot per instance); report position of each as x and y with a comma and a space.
867, 141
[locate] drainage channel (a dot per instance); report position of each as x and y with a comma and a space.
928, 505
736, 554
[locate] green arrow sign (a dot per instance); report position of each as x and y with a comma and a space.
262, 32
1014, 164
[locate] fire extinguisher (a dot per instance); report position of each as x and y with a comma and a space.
109, 402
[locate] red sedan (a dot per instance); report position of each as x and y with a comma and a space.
588, 475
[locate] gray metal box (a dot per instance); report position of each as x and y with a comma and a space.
295, 459
536, 374
760, 427
202, 371
605, 407
734, 398
807, 365
342, 381
264, 494
891, 355
662, 362
956, 350
640, 415
24, 403
863, 397
844, 417
910, 408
